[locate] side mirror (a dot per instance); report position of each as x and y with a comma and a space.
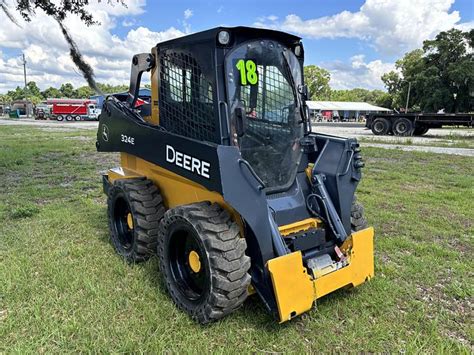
239, 121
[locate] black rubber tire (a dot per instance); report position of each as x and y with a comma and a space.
144, 202
77, 118
69, 118
358, 221
420, 130
60, 118
222, 249
381, 126
402, 127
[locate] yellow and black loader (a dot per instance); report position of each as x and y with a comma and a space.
222, 177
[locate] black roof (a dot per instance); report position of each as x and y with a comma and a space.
241, 32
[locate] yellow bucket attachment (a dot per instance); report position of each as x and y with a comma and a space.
295, 290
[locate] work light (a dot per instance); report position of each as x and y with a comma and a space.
223, 37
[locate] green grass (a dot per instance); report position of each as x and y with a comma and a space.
451, 140
62, 288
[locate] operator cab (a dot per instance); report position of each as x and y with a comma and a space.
237, 86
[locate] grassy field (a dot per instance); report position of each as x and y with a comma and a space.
63, 289
460, 138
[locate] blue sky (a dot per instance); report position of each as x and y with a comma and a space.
356, 41
206, 14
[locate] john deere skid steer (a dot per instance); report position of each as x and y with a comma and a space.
222, 178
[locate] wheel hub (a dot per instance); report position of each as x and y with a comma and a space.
129, 221
194, 261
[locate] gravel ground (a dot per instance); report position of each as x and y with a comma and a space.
64, 125
426, 143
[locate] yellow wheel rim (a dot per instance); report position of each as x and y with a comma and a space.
194, 261
130, 221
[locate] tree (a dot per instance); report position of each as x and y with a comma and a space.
440, 76
385, 100
5, 99
67, 90
392, 82
84, 92
17, 94
357, 94
33, 89
57, 9
449, 71
50, 93
317, 80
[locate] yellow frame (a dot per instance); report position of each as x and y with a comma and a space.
296, 292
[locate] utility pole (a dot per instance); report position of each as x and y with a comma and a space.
24, 75
408, 97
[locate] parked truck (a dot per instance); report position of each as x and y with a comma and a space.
73, 109
414, 124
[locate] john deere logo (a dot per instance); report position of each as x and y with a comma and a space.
105, 133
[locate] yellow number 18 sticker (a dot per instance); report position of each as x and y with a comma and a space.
248, 72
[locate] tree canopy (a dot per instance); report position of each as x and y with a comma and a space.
440, 75
317, 79
66, 90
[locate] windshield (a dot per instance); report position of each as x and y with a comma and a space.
263, 77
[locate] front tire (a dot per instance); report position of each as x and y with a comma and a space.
135, 208
203, 261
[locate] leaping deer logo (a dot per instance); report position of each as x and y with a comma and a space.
105, 133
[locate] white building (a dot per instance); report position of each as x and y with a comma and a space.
341, 110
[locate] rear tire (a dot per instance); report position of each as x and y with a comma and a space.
420, 130
77, 118
358, 221
203, 261
402, 127
60, 118
135, 208
69, 118
381, 126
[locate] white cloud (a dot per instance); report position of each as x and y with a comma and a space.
188, 13
219, 9
47, 53
392, 27
357, 73
128, 23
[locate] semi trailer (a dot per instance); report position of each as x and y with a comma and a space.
414, 124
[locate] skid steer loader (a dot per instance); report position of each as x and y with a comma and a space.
222, 177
